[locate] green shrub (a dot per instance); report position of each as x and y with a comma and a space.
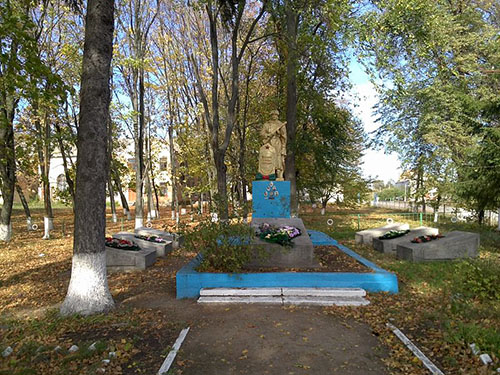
479, 279
224, 246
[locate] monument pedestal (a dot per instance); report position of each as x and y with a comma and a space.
271, 204
271, 199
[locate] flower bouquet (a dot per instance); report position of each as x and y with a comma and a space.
431, 237
151, 238
121, 244
280, 235
394, 234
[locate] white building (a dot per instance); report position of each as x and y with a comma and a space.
161, 171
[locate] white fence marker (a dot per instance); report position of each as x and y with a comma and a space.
171, 356
426, 361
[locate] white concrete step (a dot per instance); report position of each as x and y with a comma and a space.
240, 292
273, 300
324, 292
286, 296
325, 301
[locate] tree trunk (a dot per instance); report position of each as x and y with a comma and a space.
26, 208
291, 103
174, 207
155, 198
88, 291
139, 202
149, 193
69, 180
116, 179
480, 217
221, 200
43, 151
114, 217
7, 164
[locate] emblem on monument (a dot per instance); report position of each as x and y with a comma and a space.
271, 191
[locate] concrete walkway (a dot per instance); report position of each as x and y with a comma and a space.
257, 339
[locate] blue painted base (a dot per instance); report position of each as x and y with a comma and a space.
271, 199
190, 282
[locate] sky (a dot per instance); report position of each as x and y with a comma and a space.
376, 163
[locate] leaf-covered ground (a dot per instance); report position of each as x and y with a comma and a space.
443, 307
34, 276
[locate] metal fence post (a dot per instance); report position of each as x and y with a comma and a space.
63, 231
358, 220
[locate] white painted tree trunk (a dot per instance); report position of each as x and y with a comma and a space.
48, 225
5, 232
114, 218
88, 291
139, 222
129, 217
436, 215
323, 210
29, 224
173, 214
498, 217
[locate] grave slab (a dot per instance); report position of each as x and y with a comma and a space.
300, 255
454, 245
125, 260
389, 246
177, 240
366, 236
161, 249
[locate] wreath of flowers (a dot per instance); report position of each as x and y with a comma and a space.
121, 244
151, 238
280, 235
394, 234
431, 237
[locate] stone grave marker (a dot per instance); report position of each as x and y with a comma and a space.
161, 248
454, 245
177, 240
390, 245
128, 260
366, 236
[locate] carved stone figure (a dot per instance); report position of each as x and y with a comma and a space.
274, 134
267, 162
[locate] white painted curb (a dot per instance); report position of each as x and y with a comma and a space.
426, 361
171, 355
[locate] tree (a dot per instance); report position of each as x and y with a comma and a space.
310, 42
432, 57
231, 15
88, 290
330, 151
18, 60
135, 22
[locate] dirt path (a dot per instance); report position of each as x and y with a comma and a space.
257, 339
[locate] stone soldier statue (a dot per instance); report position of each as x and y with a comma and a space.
274, 133
267, 163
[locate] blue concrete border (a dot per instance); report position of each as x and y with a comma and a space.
190, 282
